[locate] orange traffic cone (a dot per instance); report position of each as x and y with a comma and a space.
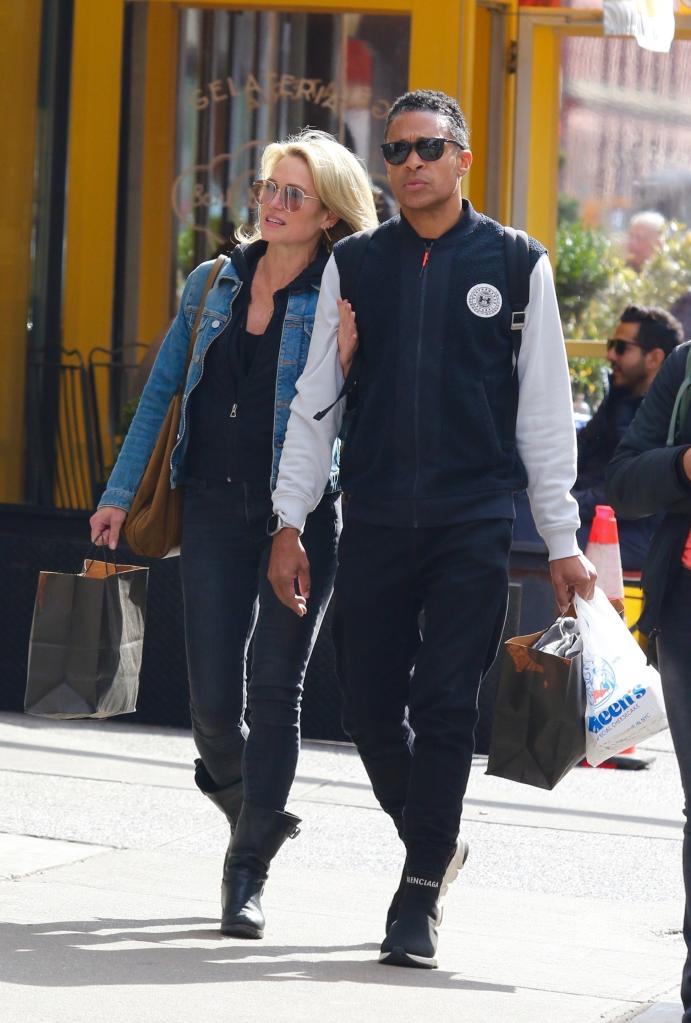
603, 550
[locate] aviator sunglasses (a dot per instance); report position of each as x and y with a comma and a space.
292, 197
428, 149
621, 346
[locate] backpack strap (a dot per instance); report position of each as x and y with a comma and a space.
349, 259
681, 404
517, 257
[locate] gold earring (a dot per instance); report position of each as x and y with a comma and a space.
329, 240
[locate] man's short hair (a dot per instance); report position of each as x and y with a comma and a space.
658, 328
429, 100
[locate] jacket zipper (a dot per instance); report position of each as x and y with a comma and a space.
418, 354
198, 381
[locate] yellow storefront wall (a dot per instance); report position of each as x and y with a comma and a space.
92, 175
20, 27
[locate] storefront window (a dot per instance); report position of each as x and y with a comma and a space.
624, 214
249, 77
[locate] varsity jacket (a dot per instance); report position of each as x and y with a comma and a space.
446, 428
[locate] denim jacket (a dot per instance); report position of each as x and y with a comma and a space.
167, 372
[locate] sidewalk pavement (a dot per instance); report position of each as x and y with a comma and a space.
568, 910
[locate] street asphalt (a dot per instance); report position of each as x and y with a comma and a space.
568, 911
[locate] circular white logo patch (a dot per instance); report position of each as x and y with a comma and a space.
484, 300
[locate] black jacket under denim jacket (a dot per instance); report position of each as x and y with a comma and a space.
645, 477
459, 400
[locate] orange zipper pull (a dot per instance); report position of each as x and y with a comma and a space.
425, 256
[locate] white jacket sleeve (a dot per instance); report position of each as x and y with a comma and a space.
545, 433
306, 457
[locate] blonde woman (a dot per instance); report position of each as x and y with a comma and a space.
250, 350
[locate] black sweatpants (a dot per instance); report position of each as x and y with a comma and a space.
457, 576
674, 650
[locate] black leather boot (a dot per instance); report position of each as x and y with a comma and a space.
228, 800
259, 835
412, 938
460, 855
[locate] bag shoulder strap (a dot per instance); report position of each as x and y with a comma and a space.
681, 404
210, 281
517, 257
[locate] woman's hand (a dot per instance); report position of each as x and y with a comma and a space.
347, 335
106, 523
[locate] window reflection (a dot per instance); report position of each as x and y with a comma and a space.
248, 77
625, 181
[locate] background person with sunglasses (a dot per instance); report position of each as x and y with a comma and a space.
650, 475
445, 429
640, 343
249, 352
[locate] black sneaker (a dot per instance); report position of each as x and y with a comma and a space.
412, 938
456, 863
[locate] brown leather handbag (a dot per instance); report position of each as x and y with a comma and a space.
153, 526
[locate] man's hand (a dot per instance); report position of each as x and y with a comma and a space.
570, 576
106, 523
287, 563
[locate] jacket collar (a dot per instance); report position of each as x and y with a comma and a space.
241, 264
466, 223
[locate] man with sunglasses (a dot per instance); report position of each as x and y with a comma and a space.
446, 427
640, 343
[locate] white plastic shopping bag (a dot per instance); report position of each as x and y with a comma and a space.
624, 702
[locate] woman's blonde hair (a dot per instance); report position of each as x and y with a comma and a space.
340, 180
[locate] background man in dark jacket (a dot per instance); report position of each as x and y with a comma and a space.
640, 343
651, 475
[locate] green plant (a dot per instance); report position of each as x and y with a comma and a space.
584, 258
567, 209
664, 278
594, 286
588, 378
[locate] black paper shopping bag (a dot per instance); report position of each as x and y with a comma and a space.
538, 732
85, 650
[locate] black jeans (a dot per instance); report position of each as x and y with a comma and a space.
674, 651
224, 559
458, 576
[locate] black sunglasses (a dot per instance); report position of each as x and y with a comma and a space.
292, 198
621, 346
428, 149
